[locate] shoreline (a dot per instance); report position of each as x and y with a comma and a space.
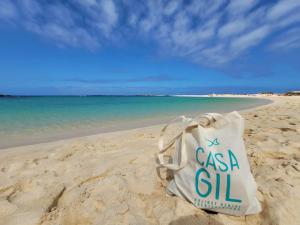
133, 125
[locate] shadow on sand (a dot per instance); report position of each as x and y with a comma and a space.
195, 220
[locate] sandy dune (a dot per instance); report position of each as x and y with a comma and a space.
111, 178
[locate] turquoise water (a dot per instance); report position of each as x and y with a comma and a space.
25, 120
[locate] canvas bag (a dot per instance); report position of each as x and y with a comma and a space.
210, 165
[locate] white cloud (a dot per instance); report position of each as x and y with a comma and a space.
61, 15
286, 41
88, 3
204, 9
211, 32
133, 19
152, 16
110, 10
249, 39
215, 55
283, 8
76, 37
104, 17
7, 10
240, 6
171, 7
289, 20
232, 28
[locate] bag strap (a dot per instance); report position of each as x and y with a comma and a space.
210, 117
163, 149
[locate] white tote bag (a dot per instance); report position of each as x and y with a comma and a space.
210, 165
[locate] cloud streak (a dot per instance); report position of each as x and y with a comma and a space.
209, 32
287, 41
7, 10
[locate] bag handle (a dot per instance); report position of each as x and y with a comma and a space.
162, 149
211, 117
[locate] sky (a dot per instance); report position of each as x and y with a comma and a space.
125, 47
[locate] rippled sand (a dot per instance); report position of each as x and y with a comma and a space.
111, 178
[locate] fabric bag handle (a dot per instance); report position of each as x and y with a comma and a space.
163, 149
210, 117
189, 123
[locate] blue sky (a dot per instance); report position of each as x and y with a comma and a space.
83, 47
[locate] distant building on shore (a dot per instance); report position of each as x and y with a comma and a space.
292, 93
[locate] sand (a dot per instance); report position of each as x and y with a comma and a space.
111, 178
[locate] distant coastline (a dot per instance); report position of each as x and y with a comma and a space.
5, 96
288, 93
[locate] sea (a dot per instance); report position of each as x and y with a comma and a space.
37, 119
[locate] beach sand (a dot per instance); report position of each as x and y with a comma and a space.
111, 178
